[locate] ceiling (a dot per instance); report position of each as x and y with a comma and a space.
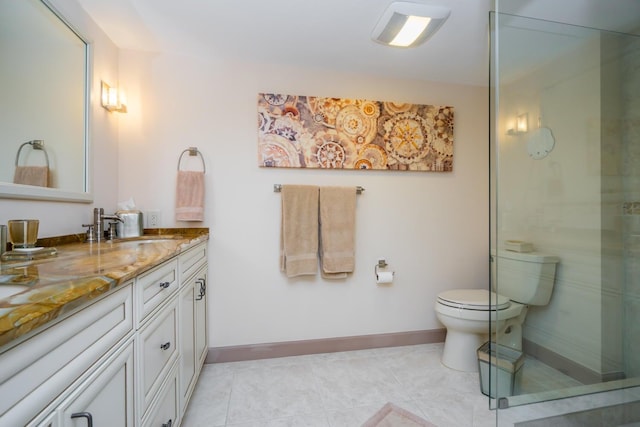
333, 34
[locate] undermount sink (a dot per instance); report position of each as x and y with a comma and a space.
146, 239
8, 290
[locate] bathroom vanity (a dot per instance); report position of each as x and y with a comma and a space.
109, 333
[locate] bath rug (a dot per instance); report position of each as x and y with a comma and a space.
391, 415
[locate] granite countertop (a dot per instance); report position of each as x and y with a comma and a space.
51, 287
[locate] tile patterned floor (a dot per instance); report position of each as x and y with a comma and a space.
343, 390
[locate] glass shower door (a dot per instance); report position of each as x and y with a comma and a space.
565, 181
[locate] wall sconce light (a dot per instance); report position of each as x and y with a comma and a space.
522, 125
113, 99
405, 24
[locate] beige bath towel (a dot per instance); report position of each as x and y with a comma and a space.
299, 230
190, 196
337, 231
32, 175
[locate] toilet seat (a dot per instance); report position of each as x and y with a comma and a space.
474, 299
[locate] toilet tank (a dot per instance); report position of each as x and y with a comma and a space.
526, 278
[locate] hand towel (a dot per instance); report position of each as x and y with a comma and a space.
190, 196
299, 230
337, 231
32, 175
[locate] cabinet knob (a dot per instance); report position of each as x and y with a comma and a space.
165, 285
86, 415
165, 346
168, 424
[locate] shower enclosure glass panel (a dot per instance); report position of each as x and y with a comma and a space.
565, 177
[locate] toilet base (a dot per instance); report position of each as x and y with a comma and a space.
460, 350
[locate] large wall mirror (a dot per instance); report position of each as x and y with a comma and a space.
44, 81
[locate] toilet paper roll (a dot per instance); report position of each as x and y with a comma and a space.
384, 277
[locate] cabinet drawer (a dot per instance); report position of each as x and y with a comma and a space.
35, 372
192, 260
164, 412
155, 287
158, 349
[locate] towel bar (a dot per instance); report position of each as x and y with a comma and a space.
193, 151
36, 144
278, 188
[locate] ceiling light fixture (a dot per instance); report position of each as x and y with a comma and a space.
405, 24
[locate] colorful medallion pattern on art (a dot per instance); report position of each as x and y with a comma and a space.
335, 133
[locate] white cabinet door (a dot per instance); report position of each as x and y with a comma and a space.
201, 345
193, 333
187, 341
105, 398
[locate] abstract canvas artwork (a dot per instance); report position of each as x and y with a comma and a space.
335, 133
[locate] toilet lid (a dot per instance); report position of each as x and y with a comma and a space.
473, 299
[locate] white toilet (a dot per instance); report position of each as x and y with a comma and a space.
523, 279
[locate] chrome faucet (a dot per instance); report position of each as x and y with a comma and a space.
95, 231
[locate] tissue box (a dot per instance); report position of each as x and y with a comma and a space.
518, 246
131, 225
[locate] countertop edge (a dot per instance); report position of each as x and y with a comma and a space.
19, 319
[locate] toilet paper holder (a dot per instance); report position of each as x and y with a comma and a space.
381, 264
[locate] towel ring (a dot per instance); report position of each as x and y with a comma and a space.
36, 144
193, 151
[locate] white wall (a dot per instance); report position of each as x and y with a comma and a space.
430, 227
57, 218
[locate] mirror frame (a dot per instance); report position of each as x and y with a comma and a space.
31, 192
